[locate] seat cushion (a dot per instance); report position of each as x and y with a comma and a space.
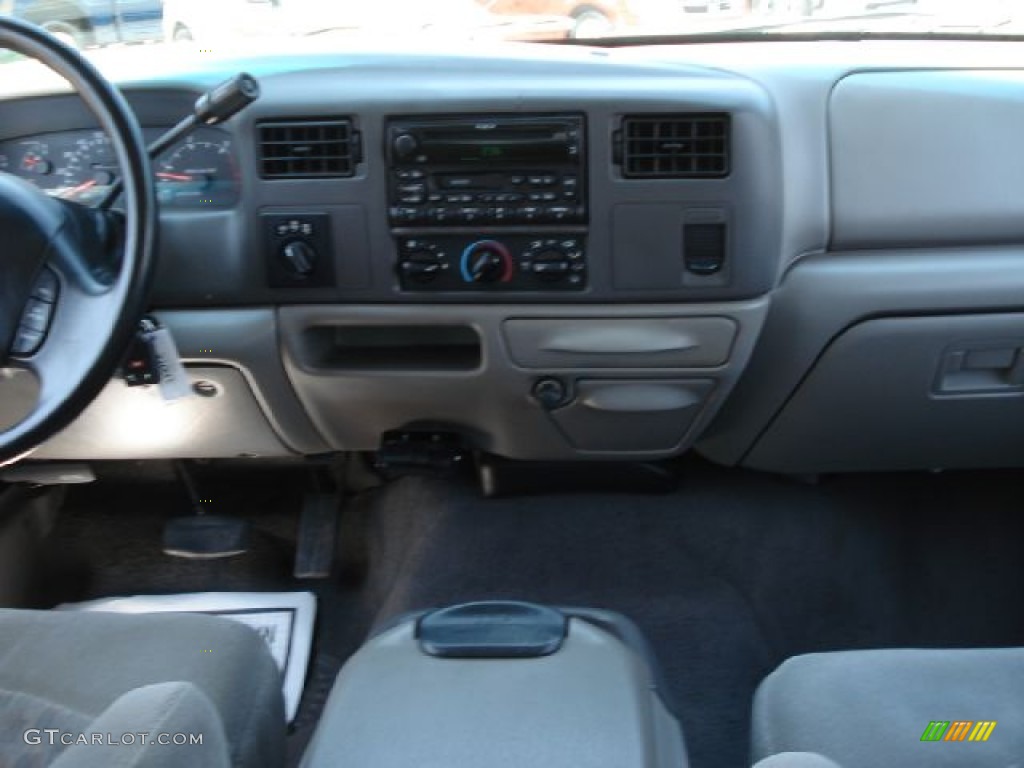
84, 661
863, 709
23, 713
152, 727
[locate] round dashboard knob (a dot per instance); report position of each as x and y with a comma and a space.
421, 266
486, 261
551, 264
299, 257
405, 144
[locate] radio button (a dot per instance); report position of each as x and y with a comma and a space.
458, 182
412, 198
410, 174
406, 214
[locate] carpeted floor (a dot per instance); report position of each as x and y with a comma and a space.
727, 576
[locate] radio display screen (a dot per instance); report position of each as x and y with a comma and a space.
512, 151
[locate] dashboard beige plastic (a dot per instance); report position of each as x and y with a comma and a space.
824, 296
649, 398
137, 423
927, 157
906, 393
620, 343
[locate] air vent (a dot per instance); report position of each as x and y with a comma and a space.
692, 146
308, 149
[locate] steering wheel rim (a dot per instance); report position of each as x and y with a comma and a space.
93, 320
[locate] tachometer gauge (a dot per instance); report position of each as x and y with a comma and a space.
199, 172
35, 161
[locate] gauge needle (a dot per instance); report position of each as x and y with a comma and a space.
173, 176
80, 188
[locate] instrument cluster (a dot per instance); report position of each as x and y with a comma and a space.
200, 171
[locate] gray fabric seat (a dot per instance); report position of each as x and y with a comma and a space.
113, 674
864, 709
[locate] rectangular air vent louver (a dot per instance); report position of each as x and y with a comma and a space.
308, 149
693, 146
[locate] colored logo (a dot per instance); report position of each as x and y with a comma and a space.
958, 730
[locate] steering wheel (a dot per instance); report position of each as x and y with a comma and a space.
74, 280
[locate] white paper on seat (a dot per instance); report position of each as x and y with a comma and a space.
284, 619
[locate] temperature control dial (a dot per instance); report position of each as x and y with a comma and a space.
422, 262
486, 261
556, 261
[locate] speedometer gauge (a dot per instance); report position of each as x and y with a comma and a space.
88, 168
200, 171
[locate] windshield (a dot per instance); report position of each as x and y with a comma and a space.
176, 30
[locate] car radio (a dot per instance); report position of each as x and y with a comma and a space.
512, 180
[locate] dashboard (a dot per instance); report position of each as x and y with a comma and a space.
765, 251
199, 171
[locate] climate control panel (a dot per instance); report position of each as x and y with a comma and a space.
552, 262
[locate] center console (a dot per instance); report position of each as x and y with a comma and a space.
488, 202
502, 684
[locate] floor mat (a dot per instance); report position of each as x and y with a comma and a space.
727, 576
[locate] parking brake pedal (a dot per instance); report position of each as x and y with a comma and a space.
203, 536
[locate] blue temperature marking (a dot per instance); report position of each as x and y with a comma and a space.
466, 254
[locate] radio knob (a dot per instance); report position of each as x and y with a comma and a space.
486, 261
405, 145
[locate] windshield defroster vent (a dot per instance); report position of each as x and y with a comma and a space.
308, 149
692, 146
